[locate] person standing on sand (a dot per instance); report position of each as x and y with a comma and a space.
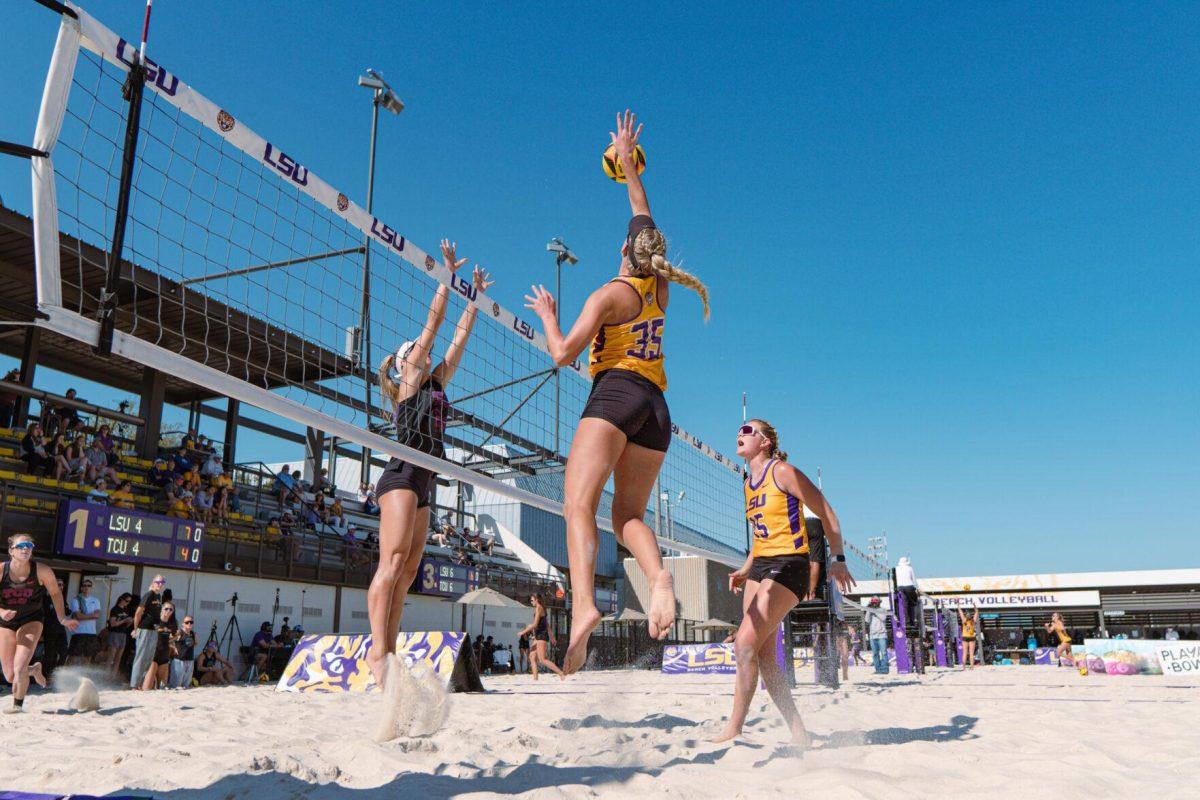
777, 574
415, 392
23, 585
625, 427
542, 638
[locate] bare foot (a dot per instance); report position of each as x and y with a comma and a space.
35, 672
662, 606
727, 735
377, 662
582, 625
800, 738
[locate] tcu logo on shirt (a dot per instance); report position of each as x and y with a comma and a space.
386, 235
155, 74
286, 165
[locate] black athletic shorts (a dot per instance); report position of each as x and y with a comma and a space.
403, 475
25, 615
633, 404
788, 571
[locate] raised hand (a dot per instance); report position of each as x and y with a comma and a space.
482, 280
626, 137
448, 254
542, 303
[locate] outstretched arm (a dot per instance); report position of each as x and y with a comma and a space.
444, 372
625, 140
564, 349
797, 484
417, 355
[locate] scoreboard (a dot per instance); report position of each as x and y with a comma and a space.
128, 535
446, 578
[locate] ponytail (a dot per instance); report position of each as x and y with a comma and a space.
387, 385
772, 437
650, 247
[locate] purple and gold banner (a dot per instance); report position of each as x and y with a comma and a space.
709, 658
337, 662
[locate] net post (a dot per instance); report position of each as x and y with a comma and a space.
107, 311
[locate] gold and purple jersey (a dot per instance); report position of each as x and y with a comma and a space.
776, 517
634, 345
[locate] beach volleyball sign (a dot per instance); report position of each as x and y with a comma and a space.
338, 662
708, 658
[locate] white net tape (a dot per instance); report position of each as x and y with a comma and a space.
246, 263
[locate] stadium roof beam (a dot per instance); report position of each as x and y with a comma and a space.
272, 265
268, 355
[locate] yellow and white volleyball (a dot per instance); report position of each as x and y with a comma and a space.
612, 164
966, 587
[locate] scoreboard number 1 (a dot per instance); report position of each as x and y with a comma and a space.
79, 518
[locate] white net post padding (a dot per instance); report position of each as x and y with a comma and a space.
245, 276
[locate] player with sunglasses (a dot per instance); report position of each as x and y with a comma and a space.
24, 586
778, 573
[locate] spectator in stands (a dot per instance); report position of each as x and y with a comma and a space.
86, 610
34, 452
212, 468
170, 492
285, 484
263, 645
98, 494
62, 417
440, 538
462, 557
120, 623
182, 507
204, 445
8, 399
189, 441
72, 464
123, 496
109, 445
192, 481
183, 463
372, 540
98, 463
144, 619
179, 675
477, 542
337, 514
366, 496
166, 632
211, 667
160, 473
320, 482
202, 505
220, 504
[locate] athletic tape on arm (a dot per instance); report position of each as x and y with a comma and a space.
119, 52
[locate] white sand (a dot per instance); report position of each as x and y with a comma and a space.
1005, 731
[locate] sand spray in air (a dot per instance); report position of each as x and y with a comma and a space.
415, 703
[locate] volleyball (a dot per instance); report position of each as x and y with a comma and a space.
612, 164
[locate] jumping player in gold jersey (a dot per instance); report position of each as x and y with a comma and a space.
778, 573
625, 427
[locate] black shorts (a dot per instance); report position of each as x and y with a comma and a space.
541, 637
791, 572
633, 404
24, 617
84, 644
403, 475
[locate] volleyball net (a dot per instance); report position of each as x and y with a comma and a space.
241, 270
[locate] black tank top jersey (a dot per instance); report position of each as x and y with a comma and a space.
421, 419
25, 597
542, 629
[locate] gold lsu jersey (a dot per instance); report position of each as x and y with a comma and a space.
776, 517
635, 345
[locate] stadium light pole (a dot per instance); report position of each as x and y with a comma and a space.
382, 95
561, 253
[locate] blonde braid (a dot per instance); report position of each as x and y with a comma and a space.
386, 385
650, 248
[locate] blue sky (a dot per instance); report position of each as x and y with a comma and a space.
952, 251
